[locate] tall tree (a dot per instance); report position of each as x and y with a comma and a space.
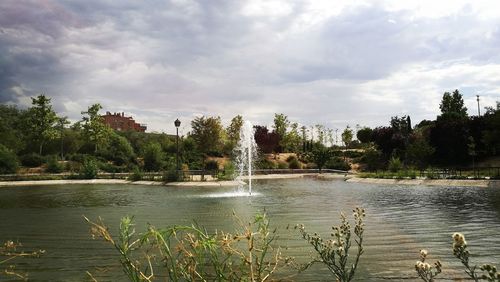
452, 105
292, 139
347, 136
233, 130
364, 135
94, 128
41, 121
208, 134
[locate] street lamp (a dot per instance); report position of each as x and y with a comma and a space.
478, 111
177, 123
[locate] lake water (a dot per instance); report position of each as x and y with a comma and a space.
400, 221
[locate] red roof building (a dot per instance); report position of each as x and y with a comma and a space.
118, 121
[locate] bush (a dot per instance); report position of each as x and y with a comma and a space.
171, 176
266, 164
291, 158
153, 157
395, 165
228, 172
31, 160
353, 154
337, 163
89, 169
282, 165
294, 164
53, 166
211, 165
111, 168
8, 161
80, 158
136, 175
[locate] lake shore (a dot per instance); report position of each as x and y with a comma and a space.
324, 176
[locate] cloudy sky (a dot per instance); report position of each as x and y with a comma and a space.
332, 62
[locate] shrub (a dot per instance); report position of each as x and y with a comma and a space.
171, 175
153, 157
8, 161
228, 172
291, 158
89, 169
266, 164
211, 165
53, 165
337, 163
31, 160
294, 164
282, 165
136, 175
395, 164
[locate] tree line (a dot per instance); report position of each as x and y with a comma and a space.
37, 135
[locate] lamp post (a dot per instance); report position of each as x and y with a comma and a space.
478, 111
177, 123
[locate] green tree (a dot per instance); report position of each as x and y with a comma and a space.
292, 139
419, 152
452, 105
208, 134
153, 157
321, 155
364, 135
233, 132
41, 121
61, 124
8, 160
12, 127
280, 126
347, 136
119, 150
94, 128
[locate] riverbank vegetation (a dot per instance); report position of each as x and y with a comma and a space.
36, 140
254, 252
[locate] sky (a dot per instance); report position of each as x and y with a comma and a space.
329, 62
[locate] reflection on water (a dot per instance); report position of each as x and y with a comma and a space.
400, 221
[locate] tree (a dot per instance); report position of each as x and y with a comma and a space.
94, 128
233, 132
292, 140
12, 127
364, 135
153, 157
321, 155
452, 105
268, 142
208, 134
119, 150
8, 160
281, 124
419, 152
41, 121
61, 123
347, 136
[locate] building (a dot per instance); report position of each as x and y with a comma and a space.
118, 121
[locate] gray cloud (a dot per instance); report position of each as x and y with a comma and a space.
354, 64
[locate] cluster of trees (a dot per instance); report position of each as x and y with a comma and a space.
38, 135
453, 139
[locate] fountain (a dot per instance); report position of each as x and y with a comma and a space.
245, 153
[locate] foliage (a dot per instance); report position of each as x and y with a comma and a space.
191, 253
208, 134
228, 173
153, 157
268, 142
282, 165
31, 160
321, 155
11, 250
364, 135
294, 164
292, 140
347, 136
53, 165
337, 163
452, 105
212, 165
12, 129
233, 132
334, 253
136, 175
8, 161
419, 152
118, 150
89, 169
94, 128
395, 165
41, 121
424, 270
264, 163
280, 126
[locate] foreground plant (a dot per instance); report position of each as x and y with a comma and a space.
424, 270
190, 253
462, 253
11, 250
334, 253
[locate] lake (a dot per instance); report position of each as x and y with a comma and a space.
400, 221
